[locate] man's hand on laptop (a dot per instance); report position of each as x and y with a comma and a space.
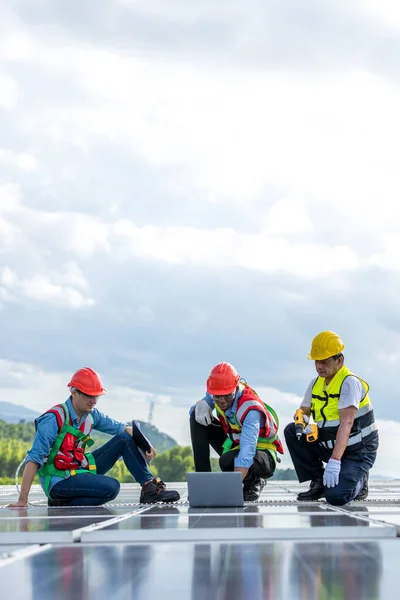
203, 413
241, 470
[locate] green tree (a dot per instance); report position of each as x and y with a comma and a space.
173, 464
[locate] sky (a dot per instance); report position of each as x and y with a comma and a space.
188, 183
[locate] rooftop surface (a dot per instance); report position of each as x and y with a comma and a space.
275, 549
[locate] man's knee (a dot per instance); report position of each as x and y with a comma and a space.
290, 432
263, 465
227, 461
123, 437
337, 497
111, 489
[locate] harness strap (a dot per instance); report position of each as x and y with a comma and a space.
49, 470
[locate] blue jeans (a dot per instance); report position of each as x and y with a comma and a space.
87, 489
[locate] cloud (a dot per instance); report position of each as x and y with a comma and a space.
184, 184
9, 92
21, 160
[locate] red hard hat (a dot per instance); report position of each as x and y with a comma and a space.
87, 381
223, 379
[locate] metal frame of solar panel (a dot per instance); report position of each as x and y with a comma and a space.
201, 552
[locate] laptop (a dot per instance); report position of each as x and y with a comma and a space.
207, 490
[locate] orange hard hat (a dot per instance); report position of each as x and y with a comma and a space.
223, 379
87, 381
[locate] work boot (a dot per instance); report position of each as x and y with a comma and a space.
252, 488
155, 490
314, 492
363, 493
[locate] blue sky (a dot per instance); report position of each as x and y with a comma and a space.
188, 183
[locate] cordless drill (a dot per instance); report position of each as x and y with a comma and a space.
299, 424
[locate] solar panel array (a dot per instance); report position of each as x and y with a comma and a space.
276, 548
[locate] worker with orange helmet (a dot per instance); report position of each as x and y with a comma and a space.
71, 476
347, 438
244, 432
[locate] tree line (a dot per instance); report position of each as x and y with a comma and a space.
170, 465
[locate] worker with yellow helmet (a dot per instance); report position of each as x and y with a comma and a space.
347, 435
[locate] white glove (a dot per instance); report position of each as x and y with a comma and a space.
203, 413
331, 474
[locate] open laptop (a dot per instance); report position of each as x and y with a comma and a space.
206, 490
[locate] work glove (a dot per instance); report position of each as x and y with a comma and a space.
203, 413
331, 474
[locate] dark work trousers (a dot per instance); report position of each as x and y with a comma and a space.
308, 459
213, 435
202, 438
263, 464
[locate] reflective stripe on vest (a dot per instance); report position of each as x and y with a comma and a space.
251, 405
249, 400
335, 423
355, 439
325, 410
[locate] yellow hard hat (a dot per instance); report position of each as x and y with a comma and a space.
325, 345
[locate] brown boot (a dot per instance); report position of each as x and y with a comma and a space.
155, 490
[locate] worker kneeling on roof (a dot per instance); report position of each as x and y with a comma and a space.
347, 435
244, 434
70, 476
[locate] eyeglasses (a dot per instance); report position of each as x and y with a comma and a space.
87, 396
225, 398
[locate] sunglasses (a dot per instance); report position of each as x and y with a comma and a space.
225, 398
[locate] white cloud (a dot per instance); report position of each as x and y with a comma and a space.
117, 156
385, 11
219, 247
21, 160
9, 197
55, 288
9, 92
288, 216
389, 258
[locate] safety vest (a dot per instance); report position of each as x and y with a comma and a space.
268, 437
325, 412
67, 455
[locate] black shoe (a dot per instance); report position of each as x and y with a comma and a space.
314, 492
253, 489
155, 490
363, 493
54, 503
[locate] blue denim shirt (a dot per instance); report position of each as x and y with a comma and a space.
250, 430
47, 432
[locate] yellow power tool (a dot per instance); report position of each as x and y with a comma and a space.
299, 424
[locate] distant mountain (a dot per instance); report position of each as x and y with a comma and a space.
160, 441
15, 413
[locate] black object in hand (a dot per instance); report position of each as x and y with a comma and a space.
139, 438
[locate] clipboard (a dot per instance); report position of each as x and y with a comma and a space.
140, 440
